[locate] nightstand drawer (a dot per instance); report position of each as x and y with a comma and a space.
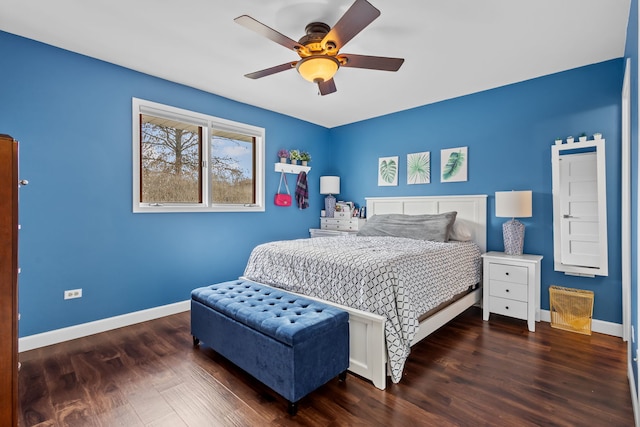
508, 290
508, 307
508, 273
346, 224
342, 215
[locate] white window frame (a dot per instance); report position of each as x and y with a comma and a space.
140, 106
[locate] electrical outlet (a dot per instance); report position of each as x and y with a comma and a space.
73, 293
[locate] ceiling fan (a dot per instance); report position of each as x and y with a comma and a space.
319, 47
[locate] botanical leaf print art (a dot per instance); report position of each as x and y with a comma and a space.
388, 171
419, 168
454, 164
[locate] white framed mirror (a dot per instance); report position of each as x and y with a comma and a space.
580, 208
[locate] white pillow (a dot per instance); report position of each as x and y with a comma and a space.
460, 231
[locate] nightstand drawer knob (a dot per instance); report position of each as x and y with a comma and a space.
506, 307
507, 290
507, 273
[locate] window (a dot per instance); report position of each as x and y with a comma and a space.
185, 162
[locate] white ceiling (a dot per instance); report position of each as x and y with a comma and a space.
451, 47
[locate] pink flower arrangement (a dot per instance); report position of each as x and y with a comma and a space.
283, 154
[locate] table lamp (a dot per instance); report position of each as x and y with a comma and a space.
513, 204
329, 185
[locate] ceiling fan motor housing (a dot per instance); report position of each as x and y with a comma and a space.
316, 32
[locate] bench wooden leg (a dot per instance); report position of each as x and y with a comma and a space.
293, 408
196, 341
342, 377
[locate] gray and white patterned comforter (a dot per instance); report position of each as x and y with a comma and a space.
395, 277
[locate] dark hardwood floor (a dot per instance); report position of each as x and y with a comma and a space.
469, 373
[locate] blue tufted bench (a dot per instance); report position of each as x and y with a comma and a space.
291, 344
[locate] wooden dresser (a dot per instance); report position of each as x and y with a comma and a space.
8, 281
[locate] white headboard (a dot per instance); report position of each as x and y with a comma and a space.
471, 209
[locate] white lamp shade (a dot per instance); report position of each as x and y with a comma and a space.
329, 185
513, 204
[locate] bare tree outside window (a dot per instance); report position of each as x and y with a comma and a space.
171, 171
232, 168
170, 153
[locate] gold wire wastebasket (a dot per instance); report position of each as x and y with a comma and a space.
571, 309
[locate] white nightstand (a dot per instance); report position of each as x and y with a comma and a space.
511, 286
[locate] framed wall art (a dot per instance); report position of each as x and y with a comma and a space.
453, 164
388, 171
419, 168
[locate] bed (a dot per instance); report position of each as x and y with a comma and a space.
381, 281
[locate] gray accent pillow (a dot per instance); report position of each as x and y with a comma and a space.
435, 227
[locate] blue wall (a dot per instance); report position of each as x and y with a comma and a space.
72, 116
509, 132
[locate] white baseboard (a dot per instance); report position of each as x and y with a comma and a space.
600, 326
78, 331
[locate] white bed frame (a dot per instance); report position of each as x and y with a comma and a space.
367, 349
367, 344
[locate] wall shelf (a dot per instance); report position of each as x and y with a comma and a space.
289, 168
579, 144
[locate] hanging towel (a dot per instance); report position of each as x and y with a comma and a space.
302, 192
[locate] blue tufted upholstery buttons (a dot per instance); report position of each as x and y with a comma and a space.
276, 313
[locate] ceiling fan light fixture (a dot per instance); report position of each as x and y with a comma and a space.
318, 69
320, 46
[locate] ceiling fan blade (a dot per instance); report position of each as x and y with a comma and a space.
268, 32
370, 62
272, 70
327, 87
355, 19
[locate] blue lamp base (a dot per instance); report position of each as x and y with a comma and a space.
513, 235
